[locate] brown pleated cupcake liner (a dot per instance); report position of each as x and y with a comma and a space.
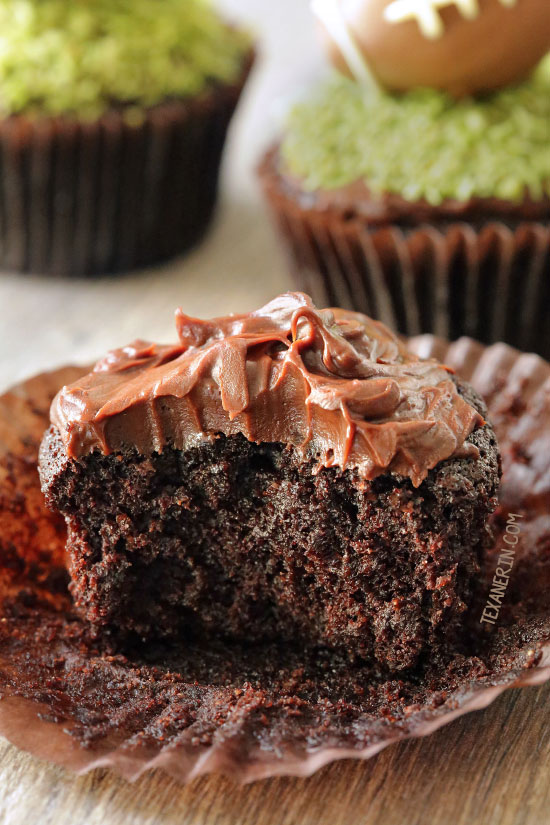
490, 281
81, 199
253, 712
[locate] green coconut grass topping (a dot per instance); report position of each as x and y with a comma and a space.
81, 56
423, 144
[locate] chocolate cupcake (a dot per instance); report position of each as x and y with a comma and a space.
290, 475
418, 190
253, 711
114, 117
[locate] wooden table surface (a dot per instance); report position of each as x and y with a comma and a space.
490, 768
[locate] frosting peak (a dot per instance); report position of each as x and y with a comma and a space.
336, 385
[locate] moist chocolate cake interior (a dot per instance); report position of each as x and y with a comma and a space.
289, 475
246, 542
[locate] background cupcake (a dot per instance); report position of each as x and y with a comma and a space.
114, 116
426, 207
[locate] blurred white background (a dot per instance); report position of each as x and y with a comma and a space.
47, 322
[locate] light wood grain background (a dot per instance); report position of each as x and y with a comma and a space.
491, 768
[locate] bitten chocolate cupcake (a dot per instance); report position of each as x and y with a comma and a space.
287, 475
114, 115
415, 186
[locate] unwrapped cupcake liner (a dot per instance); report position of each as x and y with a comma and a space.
87, 198
203, 710
489, 281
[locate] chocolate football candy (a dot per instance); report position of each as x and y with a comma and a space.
463, 47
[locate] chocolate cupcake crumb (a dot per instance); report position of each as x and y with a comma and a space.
288, 475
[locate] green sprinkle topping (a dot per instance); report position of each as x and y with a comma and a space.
82, 56
424, 144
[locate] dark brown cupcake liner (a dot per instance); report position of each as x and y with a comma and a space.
82, 199
258, 712
490, 280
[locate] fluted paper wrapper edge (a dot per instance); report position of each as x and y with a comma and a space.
490, 282
79, 199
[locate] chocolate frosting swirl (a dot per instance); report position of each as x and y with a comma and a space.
335, 385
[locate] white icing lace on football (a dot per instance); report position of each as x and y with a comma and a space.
426, 13
329, 12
